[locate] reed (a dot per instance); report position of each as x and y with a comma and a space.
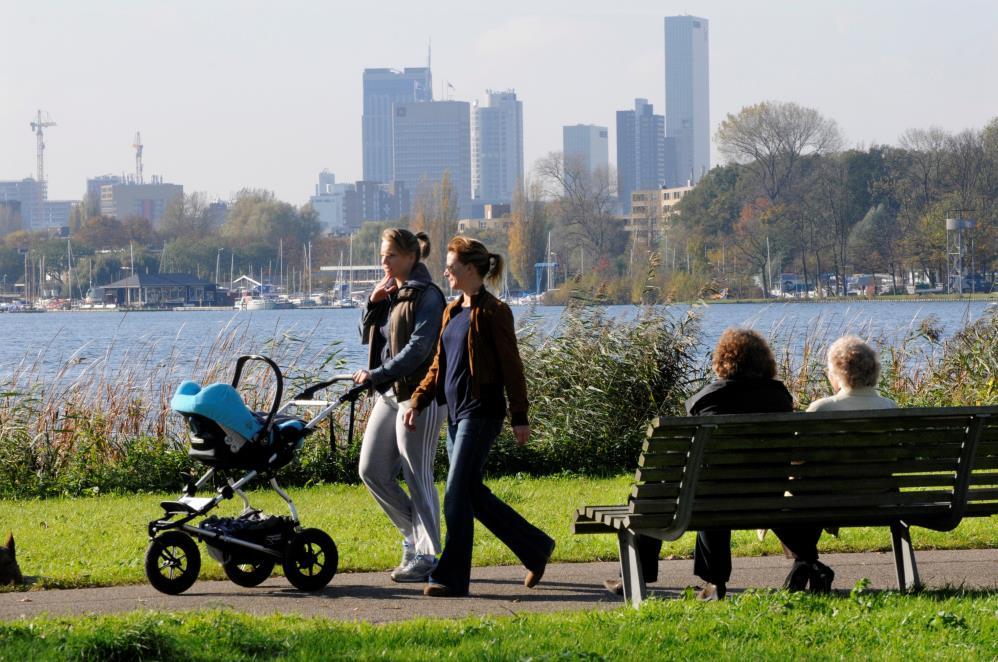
594, 382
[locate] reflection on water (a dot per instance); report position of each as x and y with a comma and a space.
64, 345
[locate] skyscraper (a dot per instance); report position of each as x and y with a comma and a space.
431, 138
497, 147
586, 144
640, 151
687, 96
383, 89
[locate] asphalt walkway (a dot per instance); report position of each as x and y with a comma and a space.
372, 597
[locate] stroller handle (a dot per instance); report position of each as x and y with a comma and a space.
310, 392
241, 361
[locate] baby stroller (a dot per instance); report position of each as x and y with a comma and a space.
226, 435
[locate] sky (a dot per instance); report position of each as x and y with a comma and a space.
231, 94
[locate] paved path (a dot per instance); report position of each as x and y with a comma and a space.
374, 598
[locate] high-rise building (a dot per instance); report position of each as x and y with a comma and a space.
148, 201
640, 151
383, 89
329, 203
687, 97
432, 138
496, 147
586, 144
29, 193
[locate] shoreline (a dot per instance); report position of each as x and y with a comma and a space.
991, 297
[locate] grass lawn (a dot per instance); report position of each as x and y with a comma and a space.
753, 625
101, 541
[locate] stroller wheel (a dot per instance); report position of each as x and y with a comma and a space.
248, 573
172, 562
310, 560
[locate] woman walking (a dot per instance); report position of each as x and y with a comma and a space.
476, 361
400, 324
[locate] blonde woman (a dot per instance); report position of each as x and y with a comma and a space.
400, 325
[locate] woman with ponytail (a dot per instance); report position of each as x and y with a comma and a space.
476, 368
401, 324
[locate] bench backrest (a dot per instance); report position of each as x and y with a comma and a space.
849, 468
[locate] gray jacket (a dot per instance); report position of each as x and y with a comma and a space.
414, 314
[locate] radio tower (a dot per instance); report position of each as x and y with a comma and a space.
138, 157
38, 128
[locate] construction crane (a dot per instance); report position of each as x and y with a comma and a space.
38, 128
138, 157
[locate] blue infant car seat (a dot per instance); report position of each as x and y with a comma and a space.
225, 434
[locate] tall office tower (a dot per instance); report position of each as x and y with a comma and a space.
431, 138
586, 144
640, 151
687, 96
383, 89
497, 147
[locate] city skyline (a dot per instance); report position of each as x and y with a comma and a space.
232, 95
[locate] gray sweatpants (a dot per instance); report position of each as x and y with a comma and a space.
387, 448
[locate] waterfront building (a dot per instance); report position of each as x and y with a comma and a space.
160, 290
490, 217
497, 147
431, 138
650, 213
148, 201
687, 98
640, 151
383, 90
587, 145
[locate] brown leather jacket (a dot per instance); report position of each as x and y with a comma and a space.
493, 357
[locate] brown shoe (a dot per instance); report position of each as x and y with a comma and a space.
533, 577
712, 593
615, 586
434, 590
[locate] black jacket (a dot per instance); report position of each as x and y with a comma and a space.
740, 396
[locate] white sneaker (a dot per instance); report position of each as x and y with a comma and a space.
418, 569
408, 554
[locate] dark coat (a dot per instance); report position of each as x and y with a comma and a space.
740, 396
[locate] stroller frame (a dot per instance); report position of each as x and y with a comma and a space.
175, 525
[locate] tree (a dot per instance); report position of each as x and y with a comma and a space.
771, 137
586, 203
442, 223
876, 238
101, 232
186, 216
526, 234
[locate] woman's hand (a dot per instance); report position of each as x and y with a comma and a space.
522, 433
409, 419
361, 376
384, 289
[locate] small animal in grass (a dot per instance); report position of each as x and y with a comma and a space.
10, 572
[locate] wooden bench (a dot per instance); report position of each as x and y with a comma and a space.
897, 468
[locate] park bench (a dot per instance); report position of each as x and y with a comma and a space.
896, 468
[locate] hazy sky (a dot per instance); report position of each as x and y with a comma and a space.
231, 94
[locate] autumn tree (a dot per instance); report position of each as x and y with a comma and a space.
526, 233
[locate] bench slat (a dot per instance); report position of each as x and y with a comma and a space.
983, 495
673, 474
982, 478
657, 460
815, 469
714, 488
916, 438
715, 504
851, 455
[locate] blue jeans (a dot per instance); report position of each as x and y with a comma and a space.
467, 498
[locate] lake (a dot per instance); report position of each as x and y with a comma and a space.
61, 345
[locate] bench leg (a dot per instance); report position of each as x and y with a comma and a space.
630, 568
904, 557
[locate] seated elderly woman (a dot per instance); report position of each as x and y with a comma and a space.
746, 383
853, 371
